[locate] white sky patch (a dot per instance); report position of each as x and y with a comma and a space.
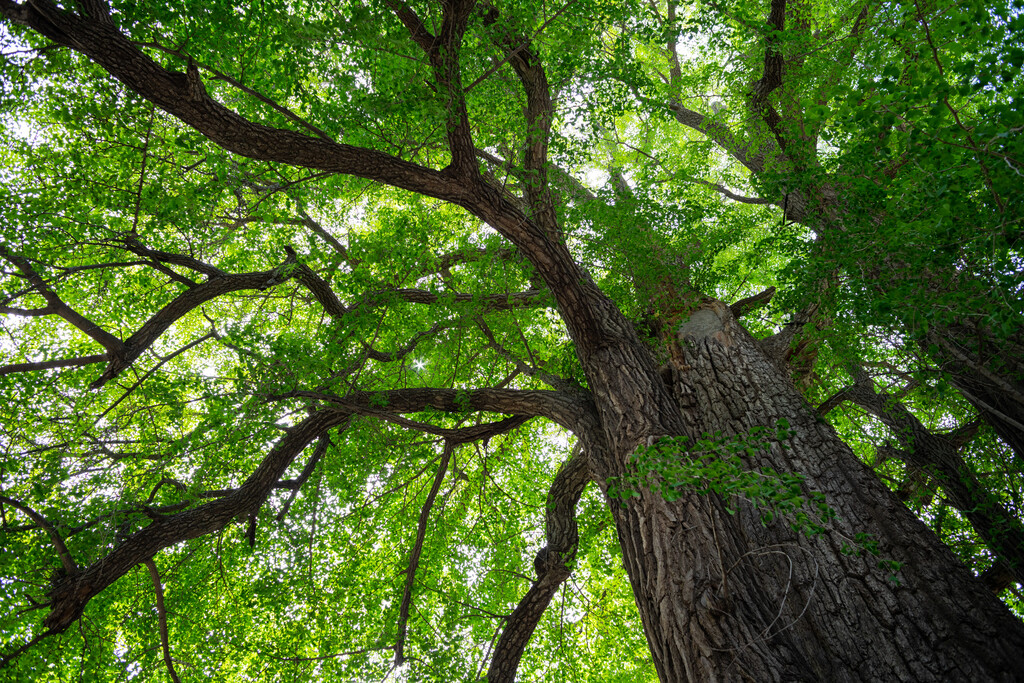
596, 178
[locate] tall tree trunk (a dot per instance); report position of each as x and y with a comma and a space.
724, 597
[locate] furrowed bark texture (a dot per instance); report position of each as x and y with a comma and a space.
721, 597
724, 598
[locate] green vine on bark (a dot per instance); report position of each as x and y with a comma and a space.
673, 466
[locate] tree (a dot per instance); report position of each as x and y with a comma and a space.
302, 299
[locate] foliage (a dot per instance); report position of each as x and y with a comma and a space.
883, 204
672, 467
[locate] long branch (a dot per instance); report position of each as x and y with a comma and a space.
1001, 530
551, 565
69, 596
161, 613
56, 305
51, 364
184, 303
539, 114
417, 550
572, 410
184, 96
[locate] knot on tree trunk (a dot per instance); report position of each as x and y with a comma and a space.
547, 560
68, 598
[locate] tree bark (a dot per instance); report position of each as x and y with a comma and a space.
723, 597
988, 372
939, 456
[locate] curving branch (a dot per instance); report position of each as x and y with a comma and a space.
490, 302
69, 595
551, 564
444, 57
718, 133
412, 22
56, 306
132, 244
417, 550
402, 351
588, 315
539, 114
321, 232
573, 410
442, 52
456, 436
221, 76
161, 614
771, 78
66, 561
940, 457
184, 96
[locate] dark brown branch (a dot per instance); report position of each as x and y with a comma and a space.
313, 282
406, 348
834, 401
551, 564
490, 302
588, 314
322, 291
66, 561
161, 613
572, 410
417, 550
444, 57
173, 92
774, 65
133, 245
419, 33
455, 436
112, 344
794, 349
319, 230
752, 303
443, 54
963, 434
539, 112
186, 302
446, 261
726, 192
69, 596
562, 180
221, 76
998, 577
1002, 532
50, 364
307, 471
718, 133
